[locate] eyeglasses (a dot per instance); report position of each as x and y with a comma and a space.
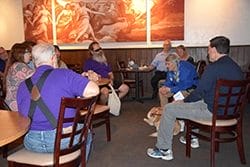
27, 51
97, 50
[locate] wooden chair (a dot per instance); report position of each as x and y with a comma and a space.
248, 77
226, 123
127, 79
75, 67
200, 67
74, 154
101, 117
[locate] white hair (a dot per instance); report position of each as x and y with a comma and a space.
42, 54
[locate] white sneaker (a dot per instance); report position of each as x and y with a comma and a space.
194, 142
159, 153
182, 123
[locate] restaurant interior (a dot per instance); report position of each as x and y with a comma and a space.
130, 135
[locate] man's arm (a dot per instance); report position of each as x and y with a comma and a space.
92, 89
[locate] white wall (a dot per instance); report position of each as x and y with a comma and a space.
204, 19
11, 23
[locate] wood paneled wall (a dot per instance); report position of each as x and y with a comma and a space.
241, 54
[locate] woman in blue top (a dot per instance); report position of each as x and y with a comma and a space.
181, 76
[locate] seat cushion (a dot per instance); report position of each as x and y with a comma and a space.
41, 159
229, 122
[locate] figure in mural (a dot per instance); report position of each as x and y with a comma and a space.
28, 15
42, 20
79, 21
83, 27
63, 22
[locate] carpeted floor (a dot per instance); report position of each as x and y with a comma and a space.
130, 139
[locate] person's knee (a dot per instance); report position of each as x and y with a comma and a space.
104, 91
170, 109
123, 89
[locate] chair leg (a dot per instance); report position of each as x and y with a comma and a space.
212, 150
240, 146
142, 91
217, 146
188, 139
5, 151
108, 133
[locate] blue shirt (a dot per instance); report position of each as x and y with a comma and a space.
100, 68
223, 68
2, 65
159, 61
60, 83
187, 77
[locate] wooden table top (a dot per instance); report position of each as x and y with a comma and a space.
12, 126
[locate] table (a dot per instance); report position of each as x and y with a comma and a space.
137, 72
12, 126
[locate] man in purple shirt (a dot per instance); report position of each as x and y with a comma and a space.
98, 63
57, 84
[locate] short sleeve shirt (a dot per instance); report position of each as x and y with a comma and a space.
60, 83
159, 62
100, 68
17, 73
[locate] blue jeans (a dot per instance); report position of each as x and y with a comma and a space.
44, 141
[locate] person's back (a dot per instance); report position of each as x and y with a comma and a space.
223, 68
58, 84
39, 97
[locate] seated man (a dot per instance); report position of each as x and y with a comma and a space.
53, 84
199, 104
181, 76
3, 59
98, 63
159, 64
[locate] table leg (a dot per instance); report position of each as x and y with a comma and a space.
137, 89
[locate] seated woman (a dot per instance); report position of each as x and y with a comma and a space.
181, 76
183, 54
98, 63
17, 71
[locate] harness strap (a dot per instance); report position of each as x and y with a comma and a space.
36, 99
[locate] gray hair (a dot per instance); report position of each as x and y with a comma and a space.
42, 53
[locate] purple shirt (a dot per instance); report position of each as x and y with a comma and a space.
100, 68
60, 83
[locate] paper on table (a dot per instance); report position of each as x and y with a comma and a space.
178, 96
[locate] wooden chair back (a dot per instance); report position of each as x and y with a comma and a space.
73, 128
226, 123
78, 104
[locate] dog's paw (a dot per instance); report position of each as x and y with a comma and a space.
153, 134
148, 121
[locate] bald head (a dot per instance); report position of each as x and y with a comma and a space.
166, 45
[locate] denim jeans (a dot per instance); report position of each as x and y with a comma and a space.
44, 141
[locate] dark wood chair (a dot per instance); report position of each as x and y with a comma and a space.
127, 79
74, 154
226, 123
75, 67
101, 117
248, 77
200, 67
